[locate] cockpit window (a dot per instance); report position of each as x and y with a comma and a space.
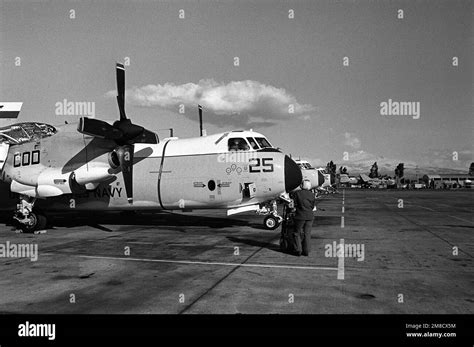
253, 143
238, 144
263, 142
306, 166
25, 132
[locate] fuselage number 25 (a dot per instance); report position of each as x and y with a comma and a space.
263, 165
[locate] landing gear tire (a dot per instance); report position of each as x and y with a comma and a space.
36, 221
271, 222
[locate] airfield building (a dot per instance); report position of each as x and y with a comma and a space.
448, 181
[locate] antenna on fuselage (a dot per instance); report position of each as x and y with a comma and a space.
201, 132
170, 130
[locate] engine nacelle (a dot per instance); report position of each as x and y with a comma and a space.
91, 174
51, 182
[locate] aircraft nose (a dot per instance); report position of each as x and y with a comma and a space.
293, 176
321, 178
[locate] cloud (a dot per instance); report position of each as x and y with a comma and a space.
351, 140
453, 158
238, 102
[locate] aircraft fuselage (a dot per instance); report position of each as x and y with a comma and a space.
195, 173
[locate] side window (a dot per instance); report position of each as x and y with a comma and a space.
238, 144
35, 157
17, 160
26, 159
253, 143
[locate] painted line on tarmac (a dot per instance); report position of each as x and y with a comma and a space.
342, 210
340, 260
190, 262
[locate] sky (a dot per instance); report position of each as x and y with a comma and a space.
290, 83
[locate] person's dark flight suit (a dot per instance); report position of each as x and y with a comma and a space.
304, 204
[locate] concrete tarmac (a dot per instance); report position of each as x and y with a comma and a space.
405, 252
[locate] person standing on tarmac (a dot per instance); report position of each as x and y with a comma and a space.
304, 201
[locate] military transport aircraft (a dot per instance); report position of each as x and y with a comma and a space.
320, 180
94, 165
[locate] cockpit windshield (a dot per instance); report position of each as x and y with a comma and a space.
25, 132
253, 143
263, 142
305, 165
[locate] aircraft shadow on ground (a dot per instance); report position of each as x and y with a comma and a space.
258, 243
166, 219
326, 220
180, 222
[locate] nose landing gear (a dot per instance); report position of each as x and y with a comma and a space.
28, 218
272, 222
273, 219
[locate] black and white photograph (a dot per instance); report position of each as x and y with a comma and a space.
224, 167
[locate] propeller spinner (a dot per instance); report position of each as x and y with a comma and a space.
123, 132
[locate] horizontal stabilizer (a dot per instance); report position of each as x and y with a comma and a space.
10, 109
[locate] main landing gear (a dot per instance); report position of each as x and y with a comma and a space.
28, 218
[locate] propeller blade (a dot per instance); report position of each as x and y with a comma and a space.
125, 157
120, 70
123, 131
98, 128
